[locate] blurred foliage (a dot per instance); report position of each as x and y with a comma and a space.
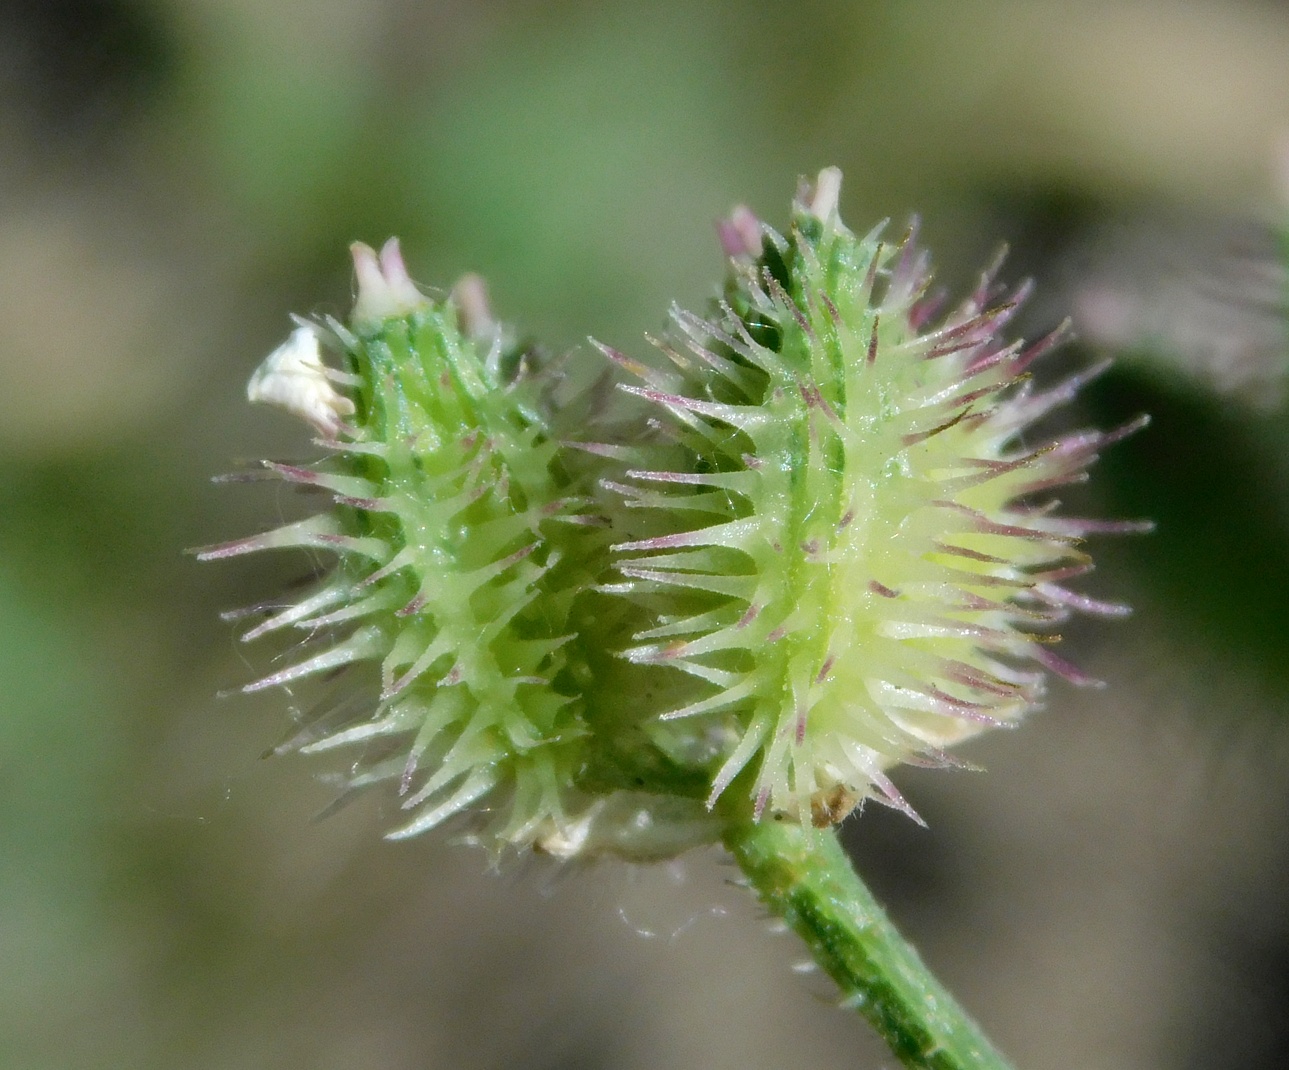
178, 174
1214, 479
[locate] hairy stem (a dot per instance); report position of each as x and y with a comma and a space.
804, 876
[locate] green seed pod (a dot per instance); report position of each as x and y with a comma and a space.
843, 536
459, 548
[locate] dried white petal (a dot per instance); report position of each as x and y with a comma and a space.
294, 378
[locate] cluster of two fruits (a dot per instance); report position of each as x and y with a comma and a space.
812, 547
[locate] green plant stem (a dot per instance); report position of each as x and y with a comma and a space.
804, 876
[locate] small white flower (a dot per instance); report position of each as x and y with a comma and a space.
294, 378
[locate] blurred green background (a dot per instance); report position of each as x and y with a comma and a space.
177, 175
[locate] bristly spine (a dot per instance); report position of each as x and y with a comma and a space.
843, 536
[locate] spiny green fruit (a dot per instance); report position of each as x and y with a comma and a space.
458, 543
846, 538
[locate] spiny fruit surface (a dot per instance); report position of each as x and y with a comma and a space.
844, 537
456, 543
